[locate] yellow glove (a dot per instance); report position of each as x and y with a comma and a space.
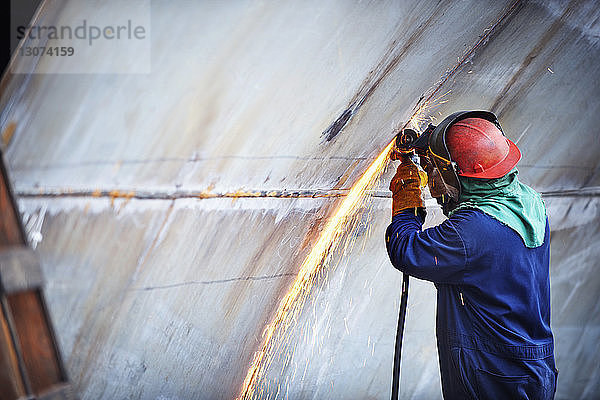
406, 187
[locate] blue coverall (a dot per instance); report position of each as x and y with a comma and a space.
493, 303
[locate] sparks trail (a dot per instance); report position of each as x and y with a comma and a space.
419, 116
318, 257
343, 220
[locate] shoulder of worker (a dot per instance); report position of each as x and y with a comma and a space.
479, 230
471, 218
470, 221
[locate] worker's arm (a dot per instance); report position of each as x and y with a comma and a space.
436, 254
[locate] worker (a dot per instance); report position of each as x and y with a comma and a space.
489, 261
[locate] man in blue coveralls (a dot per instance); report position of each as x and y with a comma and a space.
489, 261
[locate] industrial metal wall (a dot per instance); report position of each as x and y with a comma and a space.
161, 279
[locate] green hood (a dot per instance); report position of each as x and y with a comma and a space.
510, 202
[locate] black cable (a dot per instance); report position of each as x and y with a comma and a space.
399, 335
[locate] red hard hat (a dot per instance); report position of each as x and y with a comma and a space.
480, 149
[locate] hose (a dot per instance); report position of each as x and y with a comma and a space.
399, 335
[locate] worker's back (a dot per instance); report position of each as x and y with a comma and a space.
493, 316
504, 305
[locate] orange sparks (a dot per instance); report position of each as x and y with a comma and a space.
294, 299
420, 117
343, 220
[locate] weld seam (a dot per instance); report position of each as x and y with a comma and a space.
275, 194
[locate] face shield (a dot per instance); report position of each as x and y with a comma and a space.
443, 190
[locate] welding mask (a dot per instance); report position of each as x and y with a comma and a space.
442, 170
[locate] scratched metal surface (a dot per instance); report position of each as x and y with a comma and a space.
149, 303
168, 298
248, 111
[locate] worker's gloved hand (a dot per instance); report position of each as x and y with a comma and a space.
406, 187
